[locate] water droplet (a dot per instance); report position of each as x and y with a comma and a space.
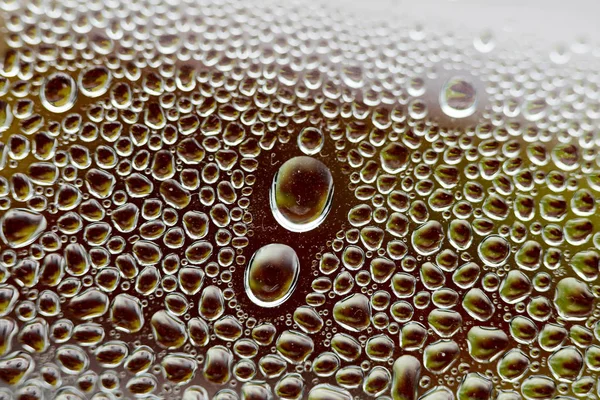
301, 194
58, 92
272, 275
458, 98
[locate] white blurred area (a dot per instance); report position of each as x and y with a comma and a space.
548, 23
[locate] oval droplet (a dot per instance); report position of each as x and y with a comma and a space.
58, 92
271, 275
311, 141
458, 98
301, 194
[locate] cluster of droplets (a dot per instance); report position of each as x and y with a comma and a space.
450, 185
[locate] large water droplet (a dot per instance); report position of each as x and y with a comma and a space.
301, 194
20, 227
271, 275
95, 81
353, 312
58, 93
458, 98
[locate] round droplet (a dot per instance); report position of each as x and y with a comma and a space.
534, 109
301, 194
485, 42
310, 141
494, 250
95, 81
271, 275
458, 98
58, 92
